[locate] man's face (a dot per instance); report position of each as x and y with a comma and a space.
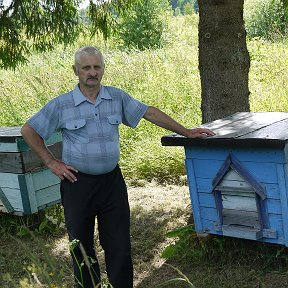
90, 70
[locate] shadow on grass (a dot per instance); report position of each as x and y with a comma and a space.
217, 262
224, 262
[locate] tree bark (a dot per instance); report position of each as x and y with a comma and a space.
224, 60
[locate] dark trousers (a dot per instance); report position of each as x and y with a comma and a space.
104, 197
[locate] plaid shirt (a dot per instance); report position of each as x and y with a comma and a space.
90, 131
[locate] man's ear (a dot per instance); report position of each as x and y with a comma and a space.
74, 69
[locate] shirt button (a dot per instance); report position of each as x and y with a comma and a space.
96, 114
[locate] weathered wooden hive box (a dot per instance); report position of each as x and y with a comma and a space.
26, 185
238, 179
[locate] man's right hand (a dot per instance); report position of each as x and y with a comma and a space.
62, 170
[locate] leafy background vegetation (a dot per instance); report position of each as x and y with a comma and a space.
163, 73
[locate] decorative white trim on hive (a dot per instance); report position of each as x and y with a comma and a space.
239, 201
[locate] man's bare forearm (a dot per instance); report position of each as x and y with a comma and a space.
37, 144
161, 119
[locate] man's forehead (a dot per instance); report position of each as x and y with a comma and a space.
90, 57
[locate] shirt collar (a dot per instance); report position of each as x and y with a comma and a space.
79, 97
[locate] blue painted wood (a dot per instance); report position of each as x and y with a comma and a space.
5, 202
220, 153
30, 192
207, 200
283, 186
258, 143
26, 191
48, 195
273, 206
262, 172
193, 196
209, 214
206, 168
204, 185
24, 195
276, 222
11, 139
44, 178
209, 227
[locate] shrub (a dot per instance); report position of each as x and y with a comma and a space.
143, 27
267, 19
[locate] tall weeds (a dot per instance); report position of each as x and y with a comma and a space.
167, 78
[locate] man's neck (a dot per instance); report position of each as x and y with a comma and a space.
90, 92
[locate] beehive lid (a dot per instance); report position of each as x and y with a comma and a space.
11, 139
244, 129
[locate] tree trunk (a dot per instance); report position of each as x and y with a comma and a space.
223, 59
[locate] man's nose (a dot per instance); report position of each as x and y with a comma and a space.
93, 72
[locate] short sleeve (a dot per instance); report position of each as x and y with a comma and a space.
46, 121
133, 110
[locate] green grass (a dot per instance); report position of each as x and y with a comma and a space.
167, 78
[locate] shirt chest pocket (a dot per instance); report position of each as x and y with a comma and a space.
76, 131
114, 119
112, 131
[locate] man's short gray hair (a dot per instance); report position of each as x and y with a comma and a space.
87, 50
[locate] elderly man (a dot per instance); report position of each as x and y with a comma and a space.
92, 184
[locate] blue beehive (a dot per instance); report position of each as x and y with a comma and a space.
26, 185
238, 179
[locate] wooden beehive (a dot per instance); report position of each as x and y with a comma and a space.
26, 185
238, 179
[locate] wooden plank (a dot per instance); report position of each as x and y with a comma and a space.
28, 178
54, 138
228, 120
237, 202
43, 179
283, 188
209, 214
233, 132
24, 194
11, 162
204, 185
247, 119
11, 139
269, 233
262, 172
241, 218
273, 131
23, 162
276, 223
206, 168
32, 162
13, 195
9, 180
235, 188
48, 196
259, 155
207, 200
245, 126
239, 232
194, 195
273, 206
209, 227
272, 191
5, 205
